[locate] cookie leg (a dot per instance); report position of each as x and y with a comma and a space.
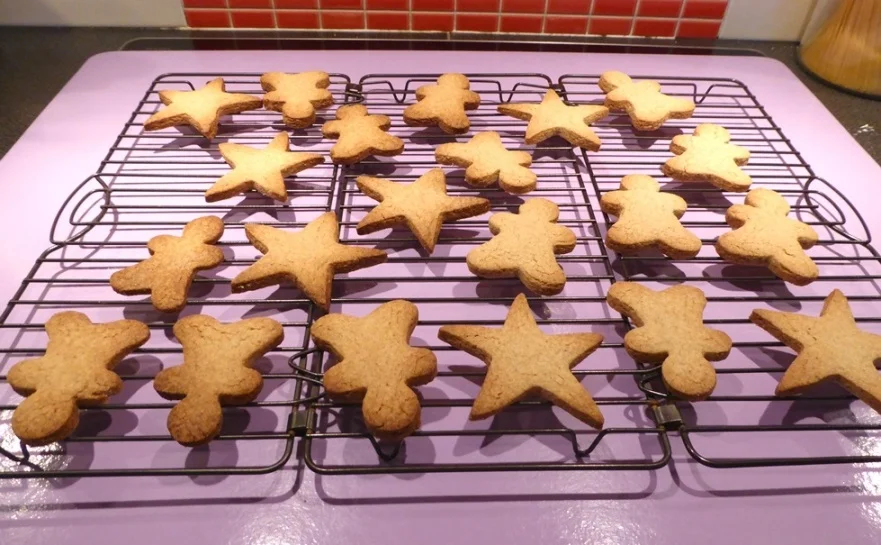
544, 278
689, 375
795, 267
170, 293
454, 122
391, 412
196, 420
45, 417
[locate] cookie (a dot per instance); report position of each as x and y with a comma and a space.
707, 156
831, 347
296, 96
647, 217
309, 258
360, 135
173, 263
202, 108
216, 371
763, 235
377, 366
553, 117
443, 104
423, 206
525, 245
643, 101
523, 361
260, 169
487, 161
670, 331
76, 371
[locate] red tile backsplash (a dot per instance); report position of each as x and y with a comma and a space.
657, 18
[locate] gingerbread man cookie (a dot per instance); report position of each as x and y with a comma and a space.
174, 262
377, 365
670, 331
763, 235
260, 169
487, 161
216, 371
523, 361
525, 245
648, 217
360, 135
296, 96
553, 117
708, 156
643, 101
202, 108
831, 347
76, 371
443, 104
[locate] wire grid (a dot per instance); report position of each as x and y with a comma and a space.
150, 184
530, 435
743, 423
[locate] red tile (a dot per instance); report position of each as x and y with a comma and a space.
478, 5
660, 8
430, 21
388, 21
432, 5
699, 29
703, 9
296, 4
477, 23
522, 23
204, 3
614, 7
565, 25
250, 4
252, 19
654, 27
523, 6
210, 18
341, 4
577, 7
342, 19
614, 26
297, 19
388, 4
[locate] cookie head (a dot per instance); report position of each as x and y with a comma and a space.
611, 80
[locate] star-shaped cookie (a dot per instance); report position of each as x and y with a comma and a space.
260, 169
309, 258
831, 347
553, 117
487, 160
643, 101
360, 135
377, 365
201, 108
707, 156
296, 96
523, 361
422, 206
443, 104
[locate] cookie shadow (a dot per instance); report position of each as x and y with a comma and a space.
634, 139
253, 203
649, 264
775, 292
434, 136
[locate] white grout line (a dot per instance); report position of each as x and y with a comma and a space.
228, 13
544, 18
635, 13
679, 18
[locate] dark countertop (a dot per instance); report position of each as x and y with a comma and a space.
36, 62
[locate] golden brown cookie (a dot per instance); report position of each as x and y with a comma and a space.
525, 245
763, 235
648, 217
553, 117
216, 371
173, 263
202, 108
443, 104
309, 258
487, 161
523, 361
360, 135
260, 169
296, 96
423, 206
643, 101
706, 156
670, 331
377, 365
831, 347
76, 371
